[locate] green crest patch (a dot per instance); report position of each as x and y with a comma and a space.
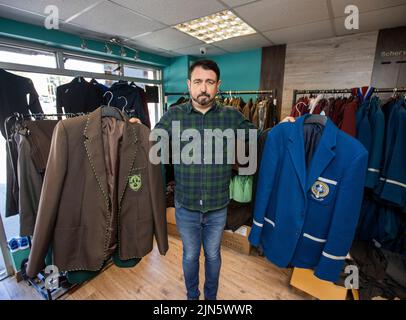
135, 182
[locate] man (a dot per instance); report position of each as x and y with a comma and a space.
202, 190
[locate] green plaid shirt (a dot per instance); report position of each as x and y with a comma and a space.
203, 187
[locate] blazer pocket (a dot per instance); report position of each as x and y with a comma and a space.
323, 191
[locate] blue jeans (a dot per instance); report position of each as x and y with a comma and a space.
196, 228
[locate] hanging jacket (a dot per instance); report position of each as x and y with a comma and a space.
136, 101
393, 177
307, 217
100, 194
78, 96
377, 124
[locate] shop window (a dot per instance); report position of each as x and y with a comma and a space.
95, 66
14, 54
139, 72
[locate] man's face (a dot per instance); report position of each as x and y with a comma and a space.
203, 86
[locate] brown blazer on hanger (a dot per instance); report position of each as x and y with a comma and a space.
100, 194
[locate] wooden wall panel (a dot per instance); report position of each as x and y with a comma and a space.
272, 71
341, 62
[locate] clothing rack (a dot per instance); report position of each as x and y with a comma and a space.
229, 92
37, 116
39, 282
336, 91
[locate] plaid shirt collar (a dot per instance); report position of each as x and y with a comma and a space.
189, 108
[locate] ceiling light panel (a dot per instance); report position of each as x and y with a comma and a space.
216, 27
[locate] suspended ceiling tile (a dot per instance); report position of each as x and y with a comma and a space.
268, 15
243, 43
85, 33
66, 9
195, 51
112, 19
174, 11
311, 31
236, 3
375, 20
363, 5
167, 39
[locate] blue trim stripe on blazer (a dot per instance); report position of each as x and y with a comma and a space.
306, 217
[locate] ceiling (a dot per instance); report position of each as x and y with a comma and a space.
148, 24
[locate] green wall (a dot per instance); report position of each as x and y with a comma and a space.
239, 71
175, 76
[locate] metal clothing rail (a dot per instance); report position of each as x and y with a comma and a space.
334, 91
73, 73
36, 116
230, 92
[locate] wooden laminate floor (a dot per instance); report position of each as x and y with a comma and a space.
161, 277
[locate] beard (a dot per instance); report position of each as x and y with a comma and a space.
203, 99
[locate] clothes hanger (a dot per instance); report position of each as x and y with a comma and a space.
108, 111
126, 102
395, 94
79, 79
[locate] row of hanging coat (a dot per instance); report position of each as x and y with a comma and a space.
80, 96
260, 111
377, 118
29, 140
381, 127
340, 108
17, 94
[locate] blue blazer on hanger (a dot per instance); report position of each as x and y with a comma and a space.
307, 217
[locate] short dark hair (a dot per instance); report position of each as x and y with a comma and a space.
206, 65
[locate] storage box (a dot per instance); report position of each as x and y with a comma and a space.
305, 280
18, 257
171, 222
237, 240
170, 215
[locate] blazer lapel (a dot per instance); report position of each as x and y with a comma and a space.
296, 151
324, 153
93, 142
127, 157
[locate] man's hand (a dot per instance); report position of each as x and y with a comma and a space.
289, 119
134, 120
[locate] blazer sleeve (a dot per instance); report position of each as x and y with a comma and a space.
266, 181
375, 158
394, 188
49, 200
30, 184
157, 195
344, 221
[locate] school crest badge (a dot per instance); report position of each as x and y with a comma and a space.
135, 182
320, 190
